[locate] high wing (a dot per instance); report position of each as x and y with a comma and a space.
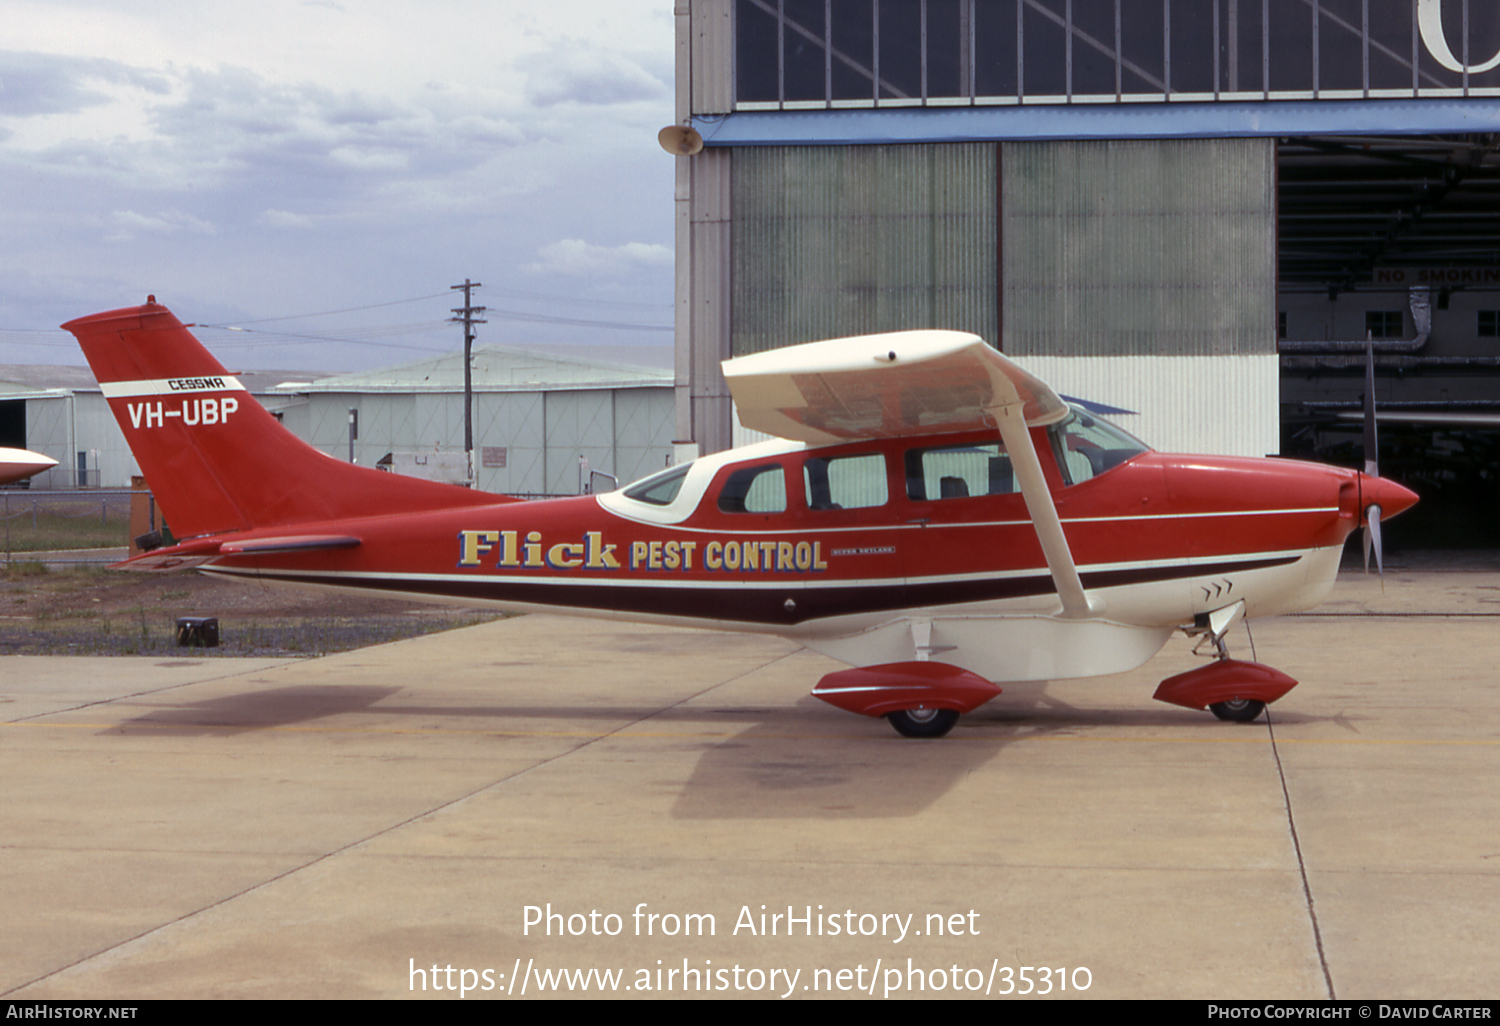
885, 386
913, 383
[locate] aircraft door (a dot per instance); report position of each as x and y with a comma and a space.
851, 519
966, 521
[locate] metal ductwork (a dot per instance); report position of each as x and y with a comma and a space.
1333, 355
1421, 315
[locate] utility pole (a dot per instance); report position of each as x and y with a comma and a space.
469, 320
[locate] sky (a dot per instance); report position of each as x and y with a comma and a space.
318, 173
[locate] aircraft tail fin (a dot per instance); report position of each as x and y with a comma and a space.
215, 459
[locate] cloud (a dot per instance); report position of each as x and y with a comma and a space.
229, 131
128, 224
39, 84
570, 72
576, 257
300, 155
285, 219
231, 108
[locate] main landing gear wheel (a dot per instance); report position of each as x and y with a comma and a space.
923, 722
1238, 710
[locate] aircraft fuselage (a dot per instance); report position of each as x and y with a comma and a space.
1158, 540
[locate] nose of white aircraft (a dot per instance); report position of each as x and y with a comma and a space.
19, 464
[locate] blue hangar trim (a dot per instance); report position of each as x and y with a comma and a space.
1428, 116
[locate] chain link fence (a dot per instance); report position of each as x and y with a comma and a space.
83, 526
74, 522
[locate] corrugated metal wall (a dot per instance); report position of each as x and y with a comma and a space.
62, 424
837, 240
49, 431
702, 308
711, 76
1226, 406
1130, 257
624, 431
1153, 247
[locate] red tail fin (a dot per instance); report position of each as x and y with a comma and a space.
215, 459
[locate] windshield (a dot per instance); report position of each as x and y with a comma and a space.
1086, 446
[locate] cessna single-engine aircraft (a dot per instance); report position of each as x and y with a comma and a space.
930, 513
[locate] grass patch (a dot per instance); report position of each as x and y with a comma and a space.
45, 521
96, 611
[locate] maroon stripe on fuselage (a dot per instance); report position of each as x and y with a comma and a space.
737, 604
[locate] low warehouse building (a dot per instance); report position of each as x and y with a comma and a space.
543, 422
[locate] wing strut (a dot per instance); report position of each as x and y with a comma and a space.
1028, 469
908, 384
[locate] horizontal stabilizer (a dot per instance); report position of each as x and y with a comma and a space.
174, 557
288, 543
202, 550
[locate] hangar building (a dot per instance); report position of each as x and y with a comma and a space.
62, 413
1181, 207
537, 416
542, 420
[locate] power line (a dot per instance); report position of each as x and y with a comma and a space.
533, 297
351, 309
576, 322
538, 298
291, 339
365, 336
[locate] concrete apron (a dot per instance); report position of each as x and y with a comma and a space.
472, 815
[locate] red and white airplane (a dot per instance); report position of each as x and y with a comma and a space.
930, 513
19, 464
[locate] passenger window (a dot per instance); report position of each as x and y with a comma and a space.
845, 482
754, 490
958, 472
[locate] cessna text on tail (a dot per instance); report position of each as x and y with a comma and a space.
930, 513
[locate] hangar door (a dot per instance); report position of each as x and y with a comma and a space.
13, 423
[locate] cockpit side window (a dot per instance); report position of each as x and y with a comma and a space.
754, 490
845, 482
1087, 446
660, 488
958, 472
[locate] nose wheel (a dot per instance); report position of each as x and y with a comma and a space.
1234, 691
1238, 710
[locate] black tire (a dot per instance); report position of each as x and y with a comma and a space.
923, 722
1238, 710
